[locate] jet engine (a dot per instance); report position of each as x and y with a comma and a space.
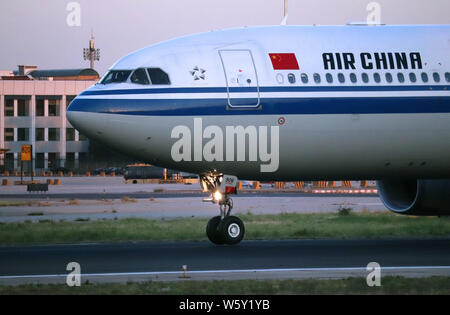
416, 196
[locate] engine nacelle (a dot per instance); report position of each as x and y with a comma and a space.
416, 197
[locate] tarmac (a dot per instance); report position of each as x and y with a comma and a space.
96, 198
272, 259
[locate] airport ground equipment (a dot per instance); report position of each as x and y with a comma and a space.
37, 187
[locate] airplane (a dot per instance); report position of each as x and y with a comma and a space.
285, 103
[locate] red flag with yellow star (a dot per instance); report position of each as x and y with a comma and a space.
284, 61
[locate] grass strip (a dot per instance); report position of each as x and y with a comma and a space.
389, 285
7, 203
283, 226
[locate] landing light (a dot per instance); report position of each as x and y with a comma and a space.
217, 196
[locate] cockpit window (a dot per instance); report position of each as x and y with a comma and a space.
139, 76
116, 76
158, 76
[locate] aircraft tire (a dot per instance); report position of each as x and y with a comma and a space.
212, 231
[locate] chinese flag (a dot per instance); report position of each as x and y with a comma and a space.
284, 61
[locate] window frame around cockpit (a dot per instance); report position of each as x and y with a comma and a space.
148, 82
163, 79
102, 81
168, 82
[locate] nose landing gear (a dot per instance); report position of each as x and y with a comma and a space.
223, 229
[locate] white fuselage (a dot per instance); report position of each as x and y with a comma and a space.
258, 103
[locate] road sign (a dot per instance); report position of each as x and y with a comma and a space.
26, 153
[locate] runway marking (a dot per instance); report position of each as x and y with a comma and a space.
154, 273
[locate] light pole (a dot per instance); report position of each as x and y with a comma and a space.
92, 54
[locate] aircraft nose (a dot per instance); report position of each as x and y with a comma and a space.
80, 117
74, 112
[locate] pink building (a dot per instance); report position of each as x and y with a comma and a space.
33, 111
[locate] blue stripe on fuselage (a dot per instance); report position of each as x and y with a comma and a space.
372, 88
268, 106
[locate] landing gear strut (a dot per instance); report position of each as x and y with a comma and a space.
223, 229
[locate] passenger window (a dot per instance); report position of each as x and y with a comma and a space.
447, 76
158, 76
280, 78
353, 77
424, 77
329, 77
304, 77
377, 77
412, 77
389, 77
341, 78
436, 77
291, 78
139, 76
365, 77
316, 78
400, 77
116, 76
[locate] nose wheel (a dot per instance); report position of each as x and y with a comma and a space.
229, 231
223, 229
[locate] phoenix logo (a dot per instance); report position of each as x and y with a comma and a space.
198, 73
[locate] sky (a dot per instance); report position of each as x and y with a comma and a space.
52, 33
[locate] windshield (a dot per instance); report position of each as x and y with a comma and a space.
140, 77
116, 76
158, 76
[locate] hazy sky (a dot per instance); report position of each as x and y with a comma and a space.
36, 32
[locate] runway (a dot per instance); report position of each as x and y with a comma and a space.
171, 194
249, 260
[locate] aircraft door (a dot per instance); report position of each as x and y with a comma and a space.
241, 78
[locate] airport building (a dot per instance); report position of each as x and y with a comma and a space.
33, 106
